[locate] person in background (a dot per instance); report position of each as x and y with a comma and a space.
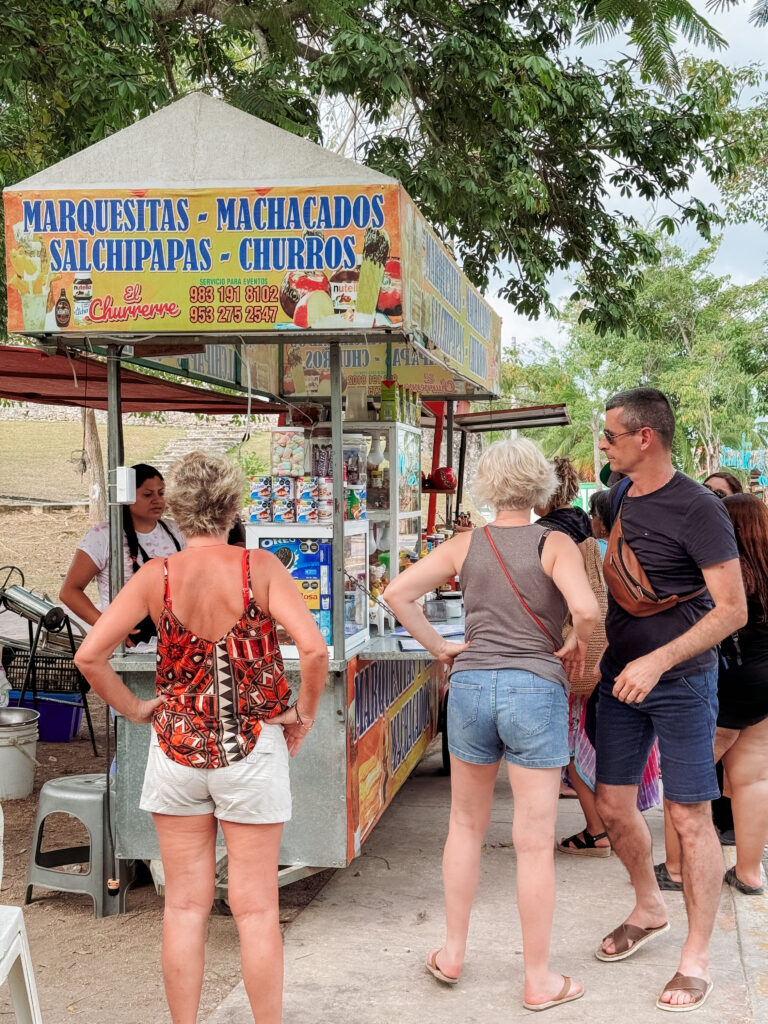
741, 742
676, 591
593, 840
145, 535
600, 518
222, 726
559, 513
507, 696
722, 484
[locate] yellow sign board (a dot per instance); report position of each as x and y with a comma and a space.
240, 261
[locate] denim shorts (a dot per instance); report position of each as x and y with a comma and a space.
683, 714
253, 791
507, 712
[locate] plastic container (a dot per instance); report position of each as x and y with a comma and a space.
354, 449
18, 745
59, 723
287, 451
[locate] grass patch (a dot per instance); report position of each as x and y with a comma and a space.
36, 457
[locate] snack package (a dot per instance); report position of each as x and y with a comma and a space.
306, 488
325, 488
261, 511
287, 446
261, 487
282, 488
307, 510
284, 510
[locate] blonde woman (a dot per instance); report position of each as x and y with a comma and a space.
222, 726
508, 696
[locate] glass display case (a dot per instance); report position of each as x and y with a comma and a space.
305, 551
393, 479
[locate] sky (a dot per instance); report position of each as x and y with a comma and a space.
744, 250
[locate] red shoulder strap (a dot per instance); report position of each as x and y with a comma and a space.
166, 591
520, 598
247, 589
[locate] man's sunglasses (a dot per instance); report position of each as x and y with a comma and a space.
610, 437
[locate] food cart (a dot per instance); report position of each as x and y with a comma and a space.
205, 242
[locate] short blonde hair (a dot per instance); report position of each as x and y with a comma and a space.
514, 475
204, 493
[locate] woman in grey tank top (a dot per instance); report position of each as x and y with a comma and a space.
508, 696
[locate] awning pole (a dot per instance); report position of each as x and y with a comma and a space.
114, 459
449, 460
462, 461
337, 542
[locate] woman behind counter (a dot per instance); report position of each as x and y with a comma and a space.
223, 727
508, 696
145, 535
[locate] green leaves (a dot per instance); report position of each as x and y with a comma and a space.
694, 335
508, 142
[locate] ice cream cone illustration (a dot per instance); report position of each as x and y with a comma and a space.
375, 255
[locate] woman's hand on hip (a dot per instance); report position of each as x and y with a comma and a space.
295, 735
573, 655
145, 710
448, 651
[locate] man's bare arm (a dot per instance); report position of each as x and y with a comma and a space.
725, 584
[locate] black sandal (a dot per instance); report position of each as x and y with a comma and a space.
582, 844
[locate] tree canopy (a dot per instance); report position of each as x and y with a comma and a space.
510, 143
695, 335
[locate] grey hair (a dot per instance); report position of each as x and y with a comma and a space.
514, 474
204, 493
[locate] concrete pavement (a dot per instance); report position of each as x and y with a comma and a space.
356, 954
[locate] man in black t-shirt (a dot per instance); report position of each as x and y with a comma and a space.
659, 679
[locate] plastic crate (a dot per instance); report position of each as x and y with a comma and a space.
59, 723
53, 674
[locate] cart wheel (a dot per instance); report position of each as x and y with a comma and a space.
446, 770
9, 571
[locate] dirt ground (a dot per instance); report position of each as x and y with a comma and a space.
93, 970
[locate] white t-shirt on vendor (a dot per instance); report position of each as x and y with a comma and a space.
157, 544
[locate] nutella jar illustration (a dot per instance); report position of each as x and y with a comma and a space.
62, 310
344, 291
82, 293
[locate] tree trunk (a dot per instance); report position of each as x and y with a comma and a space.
595, 428
97, 492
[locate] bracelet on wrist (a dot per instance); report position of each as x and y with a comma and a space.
304, 723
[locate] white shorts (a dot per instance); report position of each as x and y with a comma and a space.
254, 791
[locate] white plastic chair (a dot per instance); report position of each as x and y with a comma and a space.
16, 966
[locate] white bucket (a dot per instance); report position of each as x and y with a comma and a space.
18, 744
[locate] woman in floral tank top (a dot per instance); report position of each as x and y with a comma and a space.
223, 726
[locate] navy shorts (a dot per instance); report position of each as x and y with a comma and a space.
507, 712
682, 713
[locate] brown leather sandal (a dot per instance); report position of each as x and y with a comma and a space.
698, 987
626, 934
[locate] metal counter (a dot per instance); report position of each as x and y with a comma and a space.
335, 802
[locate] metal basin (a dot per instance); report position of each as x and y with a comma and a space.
14, 717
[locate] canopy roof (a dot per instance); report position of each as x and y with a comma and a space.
511, 419
29, 375
198, 142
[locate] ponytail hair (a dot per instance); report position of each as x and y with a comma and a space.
143, 473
